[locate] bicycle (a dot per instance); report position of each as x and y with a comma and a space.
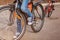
48, 9
21, 17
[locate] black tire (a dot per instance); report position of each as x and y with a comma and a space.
23, 23
40, 14
7, 7
49, 14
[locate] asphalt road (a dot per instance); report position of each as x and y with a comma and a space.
50, 30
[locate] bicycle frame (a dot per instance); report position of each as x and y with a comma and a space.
30, 5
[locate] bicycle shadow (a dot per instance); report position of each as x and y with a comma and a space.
53, 18
29, 29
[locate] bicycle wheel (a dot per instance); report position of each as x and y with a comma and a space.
7, 32
21, 24
39, 18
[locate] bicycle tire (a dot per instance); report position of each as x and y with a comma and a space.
23, 25
41, 16
7, 7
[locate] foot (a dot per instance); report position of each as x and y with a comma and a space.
30, 20
16, 35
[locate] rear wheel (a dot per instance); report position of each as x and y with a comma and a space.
39, 18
